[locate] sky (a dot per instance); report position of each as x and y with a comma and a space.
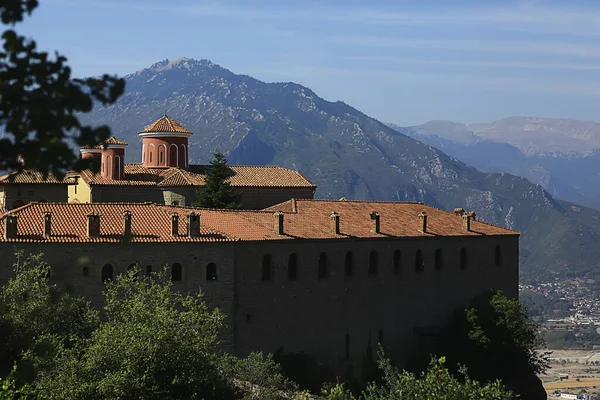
405, 62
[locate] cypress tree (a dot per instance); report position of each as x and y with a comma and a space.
217, 191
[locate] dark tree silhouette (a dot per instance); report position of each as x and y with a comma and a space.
40, 102
217, 191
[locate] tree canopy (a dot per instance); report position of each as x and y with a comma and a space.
40, 102
217, 191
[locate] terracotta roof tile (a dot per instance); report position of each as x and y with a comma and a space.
29, 176
165, 124
114, 140
311, 220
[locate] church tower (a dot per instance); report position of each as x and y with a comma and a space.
165, 144
113, 159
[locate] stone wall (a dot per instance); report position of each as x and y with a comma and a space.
120, 194
28, 193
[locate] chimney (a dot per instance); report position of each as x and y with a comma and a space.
127, 221
278, 222
47, 224
375, 222
10, 226
467, 218
423, 222
335, 222
459, 211
93, 225
174, 224
193, 225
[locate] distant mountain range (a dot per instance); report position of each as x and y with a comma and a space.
347, 153
561, 155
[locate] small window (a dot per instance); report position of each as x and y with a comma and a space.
463, 258
75, 187
266, 268
176, 272
107, 273
148, 269
293, 267
498, 256
248, 317
373, 259
150, 157
211, 272
419, 265
86, 271
322, 266
160, 157
347, 347
397, 261
439, 260
348, 265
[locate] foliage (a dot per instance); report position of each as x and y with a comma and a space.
217, 191
40, 102
32, 311
436, 383
496, 339
155, 343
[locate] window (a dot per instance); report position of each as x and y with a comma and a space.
148, 269
211, 272
75, 187
176, 272
266, 267
322, 266
498, 256
439, 260
348, 265
347, 347
419, 265
373, 264
107, 273
463, 258
160, 157
150, 157
86, 271
397, 261
293, 267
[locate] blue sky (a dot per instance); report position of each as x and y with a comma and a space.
399, 61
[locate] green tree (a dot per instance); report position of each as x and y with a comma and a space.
496, 339
436, 383
39, 102
217, 191
154, 343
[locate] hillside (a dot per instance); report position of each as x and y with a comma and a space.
346, 153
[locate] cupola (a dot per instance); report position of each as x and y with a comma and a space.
113, 159
165, 144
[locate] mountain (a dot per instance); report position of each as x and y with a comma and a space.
565, 173
347, 153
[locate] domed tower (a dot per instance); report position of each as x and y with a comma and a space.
113, 159
165, 144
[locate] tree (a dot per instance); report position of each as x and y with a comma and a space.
40, 102
217, 191
434, 383
495, 339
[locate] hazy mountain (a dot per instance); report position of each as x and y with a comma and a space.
566, 174
346, 153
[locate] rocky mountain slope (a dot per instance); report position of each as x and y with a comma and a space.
346, 153
566, 174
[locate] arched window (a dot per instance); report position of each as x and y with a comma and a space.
397, 261
439, 259
86, 271
160, 157
107, 273
498, 256
176, 272
322, 266
373, 259
148, 269
173, 155
211, 272
463, 258
419, 265
348, 265
266, 267
150, 157
293, 267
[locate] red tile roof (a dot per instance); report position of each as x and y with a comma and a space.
243, 176
310, 220
114, 140
165, 124
29, 176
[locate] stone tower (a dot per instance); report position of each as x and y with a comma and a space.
113, 159
165, 144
